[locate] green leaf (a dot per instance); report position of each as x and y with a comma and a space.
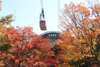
5, 47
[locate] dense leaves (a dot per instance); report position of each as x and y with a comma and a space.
81, 27
23, 46
80, 40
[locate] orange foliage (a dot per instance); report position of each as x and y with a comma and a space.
82, 26
96, 8
86, 21
84, 10
70, 49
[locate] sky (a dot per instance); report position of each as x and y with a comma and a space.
26, 12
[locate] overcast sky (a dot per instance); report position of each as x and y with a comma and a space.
26, 12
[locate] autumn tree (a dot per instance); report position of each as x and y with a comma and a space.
82, 24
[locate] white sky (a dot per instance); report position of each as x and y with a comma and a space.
26, 12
